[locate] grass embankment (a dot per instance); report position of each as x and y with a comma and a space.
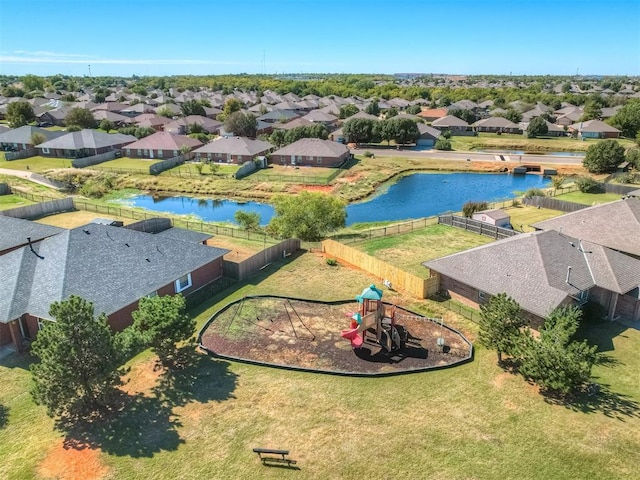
13, 201
408, 250
589, 198
470, 421
36, 164
492, 141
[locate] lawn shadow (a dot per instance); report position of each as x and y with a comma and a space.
137, 426
4, 416
598, 398
204, 379
601, 333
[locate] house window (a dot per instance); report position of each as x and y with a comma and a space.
42, 322
153, 294
319, 160
45, 150
482, 296
175, 153
139, 152
159, 153
128, 152
183, 283
582, 297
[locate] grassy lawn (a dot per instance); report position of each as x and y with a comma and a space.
521, 142
473, 421
589, 198
527, 215
77, 219
13, 201
128, 163
407, 251
36, 164
189, 168
275, 171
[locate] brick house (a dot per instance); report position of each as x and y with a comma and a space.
312, 152
233, 150
110, 266
160, 145
84, 143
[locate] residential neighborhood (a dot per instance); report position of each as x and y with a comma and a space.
251, 247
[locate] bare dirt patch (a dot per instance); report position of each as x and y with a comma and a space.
307, 335
73, 463
77, 219
142, 377
238, 252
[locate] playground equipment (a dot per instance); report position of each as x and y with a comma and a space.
375, 323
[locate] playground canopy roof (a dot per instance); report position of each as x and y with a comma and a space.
370, 293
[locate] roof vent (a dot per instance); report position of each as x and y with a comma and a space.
86, 231
568, 275
148, 260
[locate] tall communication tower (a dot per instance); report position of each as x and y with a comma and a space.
89, 70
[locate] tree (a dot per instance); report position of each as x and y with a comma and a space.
537, 127
604, 157
164, 111
142, 132
312, 131
463, 114
360, 130
627, 119
231, 105
555, 361
78, 362
277, 137
443, 143
373, 108
557, 182
241, 124
347, 111
633, 157
32, 82
107, 125
592, 111
391, 112
162, 322
37, 138
405, 130
500, 323
414, 109
80, 117
513, 115
19, 114
192, 107
308, 216
250, 221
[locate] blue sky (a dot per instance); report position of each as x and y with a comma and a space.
198, 37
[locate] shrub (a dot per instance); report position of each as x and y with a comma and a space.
626, 177
469, 208
534, 192
443, 143
332, 262
587, 185
368, 154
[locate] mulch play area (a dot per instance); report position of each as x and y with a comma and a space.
310, 335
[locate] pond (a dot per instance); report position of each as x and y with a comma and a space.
414, 196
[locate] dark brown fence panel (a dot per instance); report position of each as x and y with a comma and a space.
40, 209
553, 204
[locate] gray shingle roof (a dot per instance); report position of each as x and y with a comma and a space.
313, 147
533, 268
109, 266
236, 146
615, 225
87, 139
449, 121
14, 232
183, 235
23, 134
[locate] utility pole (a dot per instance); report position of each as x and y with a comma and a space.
89, 70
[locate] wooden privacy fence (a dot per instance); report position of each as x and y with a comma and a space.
416, 286
40, 209
252, 265
553, 204
26, 153
4, 189
476, 226
94, 160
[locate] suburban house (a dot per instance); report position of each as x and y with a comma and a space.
432, 114
496, 125
278, 116
182, 126
428, 135
455, 125
594, 129
84, 143
615, 225
161, 145
541, 271
233, 150
151, 120
111, 267
114, 107
20, 138
117, 119
326, 119
295, 123
312, 152
54, 117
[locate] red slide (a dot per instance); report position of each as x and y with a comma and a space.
352, 335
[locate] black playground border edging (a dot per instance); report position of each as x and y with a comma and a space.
462, 361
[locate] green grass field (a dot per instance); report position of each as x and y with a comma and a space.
408, 250
474, 421
128, 163
523, 216
521, 142
36, 164
589, 198
222, 170
13, 201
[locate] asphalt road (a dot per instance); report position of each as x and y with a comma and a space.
473, 156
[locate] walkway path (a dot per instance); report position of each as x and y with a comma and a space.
32, 177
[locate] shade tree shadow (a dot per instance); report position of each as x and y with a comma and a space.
135, 426
599, 398
204, 379
4, 416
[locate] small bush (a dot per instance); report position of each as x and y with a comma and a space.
469, 208
534, 192
368, 154
516, 203
443, 143
626, 177
588, 185
332, 262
